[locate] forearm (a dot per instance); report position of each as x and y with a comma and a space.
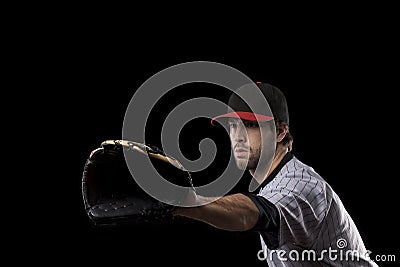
233, 212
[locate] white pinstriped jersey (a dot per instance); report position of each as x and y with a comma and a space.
314, 225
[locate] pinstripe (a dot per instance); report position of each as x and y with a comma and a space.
312, 215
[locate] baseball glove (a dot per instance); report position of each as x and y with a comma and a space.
112, 196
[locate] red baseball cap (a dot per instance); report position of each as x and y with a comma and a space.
255, 108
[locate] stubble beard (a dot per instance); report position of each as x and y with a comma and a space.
250, 163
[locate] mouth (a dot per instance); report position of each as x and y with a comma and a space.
241, 153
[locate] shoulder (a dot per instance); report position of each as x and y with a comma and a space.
295, 180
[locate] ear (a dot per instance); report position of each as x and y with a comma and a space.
281, 132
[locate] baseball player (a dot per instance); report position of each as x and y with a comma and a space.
300, 219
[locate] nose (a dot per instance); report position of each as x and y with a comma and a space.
240, 134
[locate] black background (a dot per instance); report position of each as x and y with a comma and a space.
340, 91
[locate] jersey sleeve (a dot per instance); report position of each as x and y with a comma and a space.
302, 206
268, 220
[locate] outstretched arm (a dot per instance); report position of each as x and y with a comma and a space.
233, 212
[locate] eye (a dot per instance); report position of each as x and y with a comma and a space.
250, 124
232, 124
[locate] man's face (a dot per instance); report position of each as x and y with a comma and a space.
246, 142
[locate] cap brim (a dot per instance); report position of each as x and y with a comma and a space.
250, 116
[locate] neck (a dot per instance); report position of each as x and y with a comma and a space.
278, 156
